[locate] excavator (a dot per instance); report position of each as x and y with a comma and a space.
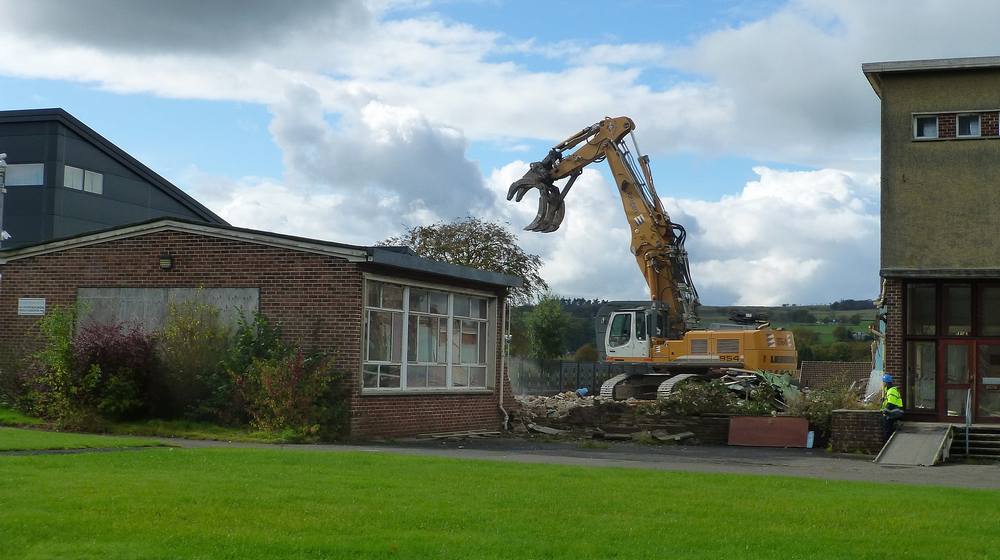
661, 335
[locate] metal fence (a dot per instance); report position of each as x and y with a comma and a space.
533, 377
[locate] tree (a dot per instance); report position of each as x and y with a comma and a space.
480, 244
547, 324
841, 334
585, 353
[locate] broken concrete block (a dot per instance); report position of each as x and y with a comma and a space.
545, 430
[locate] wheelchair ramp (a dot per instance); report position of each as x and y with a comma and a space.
916, 445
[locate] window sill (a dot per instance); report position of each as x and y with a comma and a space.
948, 138
370, 392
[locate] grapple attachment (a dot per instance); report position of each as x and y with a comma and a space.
551, 208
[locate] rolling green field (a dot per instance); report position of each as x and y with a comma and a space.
253, 503
15, 439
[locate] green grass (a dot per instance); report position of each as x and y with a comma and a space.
192, 430
249, 504
11, 417
16, 439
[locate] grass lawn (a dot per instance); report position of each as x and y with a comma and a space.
192, 430
247, 504
11, 417
15, 439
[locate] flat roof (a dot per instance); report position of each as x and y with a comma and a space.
873, 70
69, 121
391, 256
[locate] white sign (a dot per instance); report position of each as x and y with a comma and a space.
31, 306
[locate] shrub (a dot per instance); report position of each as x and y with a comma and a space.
193, 347
112, 365
585, 353
818, 407
694, 398
49, 389
289, 393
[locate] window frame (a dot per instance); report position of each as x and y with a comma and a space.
490, 321
16, 166
90, 181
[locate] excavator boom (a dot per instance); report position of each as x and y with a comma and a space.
657, 243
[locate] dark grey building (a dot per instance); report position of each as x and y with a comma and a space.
64, 179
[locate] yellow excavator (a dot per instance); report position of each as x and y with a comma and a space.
661, 334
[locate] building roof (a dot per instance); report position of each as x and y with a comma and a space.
874, 70
822, 375
395, 257
113, 151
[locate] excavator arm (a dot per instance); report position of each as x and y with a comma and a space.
657, 243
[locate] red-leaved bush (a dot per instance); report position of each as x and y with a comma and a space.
111, 369
285, 392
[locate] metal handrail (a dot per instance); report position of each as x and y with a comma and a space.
968, 419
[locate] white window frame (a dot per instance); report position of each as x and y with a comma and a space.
406, 284
33, 168
90, 181
937, 126
958, 128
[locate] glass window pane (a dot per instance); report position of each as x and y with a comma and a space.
388, 376
419, 300
956, 363
93, 182
477, 377
921, 313
640, 325
437, 376
411, 339
397, 337
459, 376
921, 374
426, 339
621, 329
379, 335
370, 375
989, 381
477, 308
456, 346
482, 343
439, 303
470, 342
416, 376
461, 306
926, 127
442, 345
392, 296
25, 174
957, 309
989, 311
374, 294
968, 125
72, 177
954, 401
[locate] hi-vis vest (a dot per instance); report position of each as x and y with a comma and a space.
892, 397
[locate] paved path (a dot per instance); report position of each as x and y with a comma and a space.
807, 463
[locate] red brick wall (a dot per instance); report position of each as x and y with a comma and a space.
856, 431
946, 125
894, 331
315, 298
988, 124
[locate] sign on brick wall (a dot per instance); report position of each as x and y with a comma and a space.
31, 306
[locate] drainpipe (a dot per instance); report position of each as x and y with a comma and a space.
3, 190
504, 329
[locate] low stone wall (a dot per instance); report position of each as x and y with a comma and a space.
856, 431
621, 418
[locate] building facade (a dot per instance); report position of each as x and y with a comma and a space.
63, 179
940, 240
418, 341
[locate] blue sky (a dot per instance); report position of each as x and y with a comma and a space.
353, 120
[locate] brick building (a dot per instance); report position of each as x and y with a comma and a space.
417, 339
940, 240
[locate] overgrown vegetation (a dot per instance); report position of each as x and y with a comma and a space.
194, 369
817, 406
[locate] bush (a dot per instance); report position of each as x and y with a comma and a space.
585, 353
818, 407
694, 398
287, 393
112, 365
193, 347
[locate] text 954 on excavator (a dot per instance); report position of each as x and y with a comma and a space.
662, 333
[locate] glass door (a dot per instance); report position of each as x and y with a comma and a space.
988, 382
956, 375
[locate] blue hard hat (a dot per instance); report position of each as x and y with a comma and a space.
887, 378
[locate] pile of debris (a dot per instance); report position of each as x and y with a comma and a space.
558, 407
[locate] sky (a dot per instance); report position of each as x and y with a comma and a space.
354, 120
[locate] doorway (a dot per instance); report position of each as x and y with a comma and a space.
969, 380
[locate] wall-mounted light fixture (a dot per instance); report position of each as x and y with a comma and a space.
166, 261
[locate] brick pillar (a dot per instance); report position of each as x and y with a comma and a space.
894, 331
